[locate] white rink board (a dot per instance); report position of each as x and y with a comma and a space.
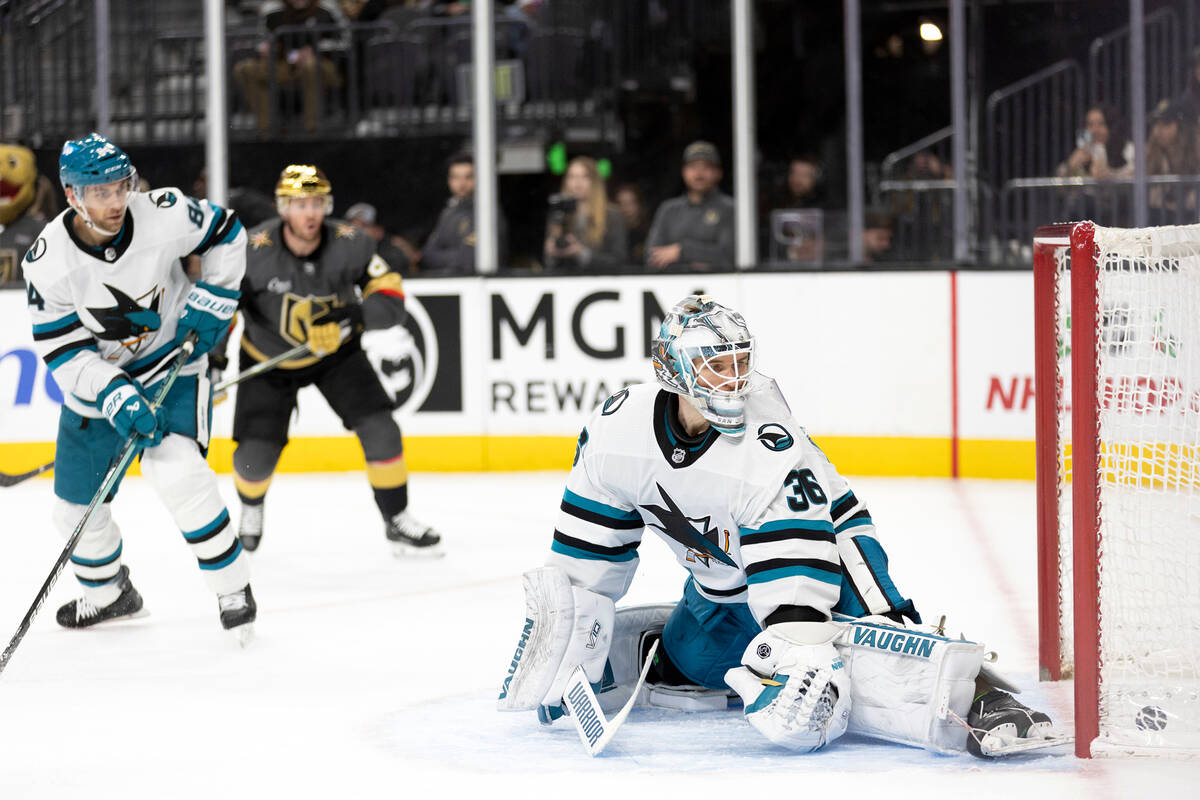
857, 354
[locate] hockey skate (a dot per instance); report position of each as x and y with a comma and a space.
81, 613
250, 526
999, 725
238, 611
412, 538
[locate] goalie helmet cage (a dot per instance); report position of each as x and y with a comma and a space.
1117, 369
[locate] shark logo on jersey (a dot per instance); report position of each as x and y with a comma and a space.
775, 437
128, 322
614, 403
691, 532
163, 199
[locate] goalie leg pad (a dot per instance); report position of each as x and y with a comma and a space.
905, 681
565, 626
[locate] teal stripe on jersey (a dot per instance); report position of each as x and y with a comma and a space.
70, 352
224, 562
599, 508
217, 219
575, 552
220, 291
791, 524
233, 232
793, 572
58, 324
853, 523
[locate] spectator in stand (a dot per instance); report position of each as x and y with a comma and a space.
637, 220
397, 251
804, 187
1104, 149
694, 231
1170, 150
584, 230
300, 58
450, 249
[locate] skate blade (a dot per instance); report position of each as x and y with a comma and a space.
243, 634
401, 550
115, 622
994, 746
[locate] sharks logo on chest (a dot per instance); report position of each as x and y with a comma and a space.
702, 541
128, 321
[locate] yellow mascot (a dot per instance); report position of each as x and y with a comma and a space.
21, 220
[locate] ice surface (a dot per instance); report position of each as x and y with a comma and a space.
375, 677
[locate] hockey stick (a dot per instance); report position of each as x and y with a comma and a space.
271, 363
219, 391
110, 479
594, 730
12, 480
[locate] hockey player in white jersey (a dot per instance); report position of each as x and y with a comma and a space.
111, 303
788, 600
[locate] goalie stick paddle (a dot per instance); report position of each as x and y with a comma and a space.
12, 480
594, 730
128, 449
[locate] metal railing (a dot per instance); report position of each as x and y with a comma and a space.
1025, 203
389, 79
1168, 63
1030, 125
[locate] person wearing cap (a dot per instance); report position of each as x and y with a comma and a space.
317, 281
694, 230
397, 251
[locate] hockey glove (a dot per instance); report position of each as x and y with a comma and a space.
388, 344
325, 339
208, 312
124, 405
795, 694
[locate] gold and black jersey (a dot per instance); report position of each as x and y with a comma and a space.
284, 295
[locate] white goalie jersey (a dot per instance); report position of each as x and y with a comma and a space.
764, 519
100, 311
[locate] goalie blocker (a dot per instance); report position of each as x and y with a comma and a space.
908, 683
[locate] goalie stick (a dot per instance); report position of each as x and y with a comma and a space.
128, 449
584, 709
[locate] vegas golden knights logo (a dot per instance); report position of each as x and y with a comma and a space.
298, 314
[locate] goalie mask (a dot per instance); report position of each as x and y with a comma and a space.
302, 180
704, 351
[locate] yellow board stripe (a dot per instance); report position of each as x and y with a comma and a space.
925, 457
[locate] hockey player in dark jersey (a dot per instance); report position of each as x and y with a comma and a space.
317, 281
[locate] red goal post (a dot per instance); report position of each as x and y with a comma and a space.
1117, 369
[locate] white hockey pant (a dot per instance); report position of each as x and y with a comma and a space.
188, 488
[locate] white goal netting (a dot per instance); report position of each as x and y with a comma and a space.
1147, 409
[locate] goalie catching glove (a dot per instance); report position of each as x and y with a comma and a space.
795, 689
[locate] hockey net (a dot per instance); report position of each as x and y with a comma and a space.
1117, 331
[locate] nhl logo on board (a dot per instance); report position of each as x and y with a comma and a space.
678, 455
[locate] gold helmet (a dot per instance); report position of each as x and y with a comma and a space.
302, 180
